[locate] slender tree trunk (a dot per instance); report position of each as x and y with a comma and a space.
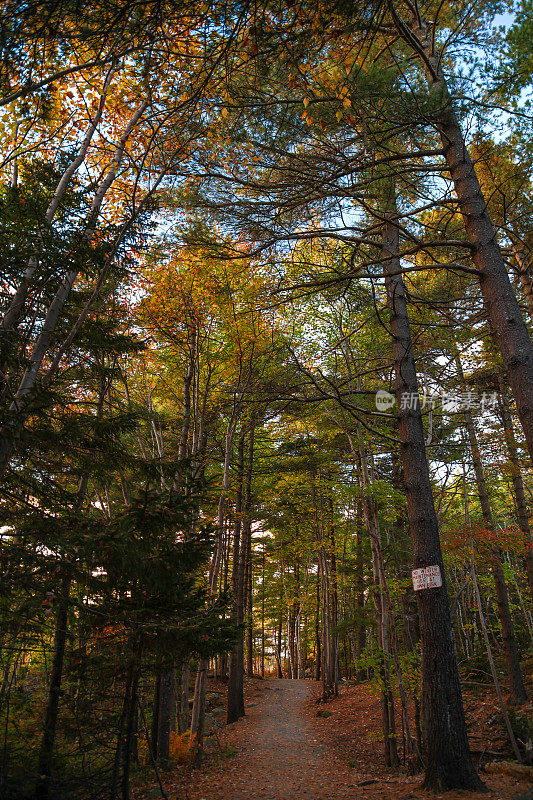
249, 610
516, 478
318, 645
292, 622
154, 731
516, 683
297, 656
166, 713
280, 631
381, 609
446, 752
290, 640
524, 276
334, 589
486, 635
167, 682
60, 637
499, 298
263, 616
42, 789
130, 738
123, 748
235, 708
360, 641
329, 670
183, 715
198, 712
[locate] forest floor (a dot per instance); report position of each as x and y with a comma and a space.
289, 747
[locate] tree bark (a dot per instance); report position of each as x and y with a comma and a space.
499, 298
524, 276
198, 711
60, 637
318, 644
280, 632
249, 610
263, 615
360, 641
516, 683
516, 478
44, 768
390, 749
446, 751
235, 699
183, 705
329, 645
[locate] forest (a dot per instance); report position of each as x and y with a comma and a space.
266, 381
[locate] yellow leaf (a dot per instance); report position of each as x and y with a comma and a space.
306, 102
339, 115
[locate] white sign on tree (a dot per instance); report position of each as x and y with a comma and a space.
427, 578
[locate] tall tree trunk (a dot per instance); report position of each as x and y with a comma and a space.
247, 542
46, 750
516, 478
183, 706
524, 276
198, 710
123, 750
499, 298
280, 633
360, 641
292, 622
329, 670
235, 708
263, 615
44, 767
334, 584
154, 730
296, 623
479, 605
290, 640
380, 604
249, 609
516, 683
166, 715
446, 752
318, 644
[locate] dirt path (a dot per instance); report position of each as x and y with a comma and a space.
279, 755
282, 751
